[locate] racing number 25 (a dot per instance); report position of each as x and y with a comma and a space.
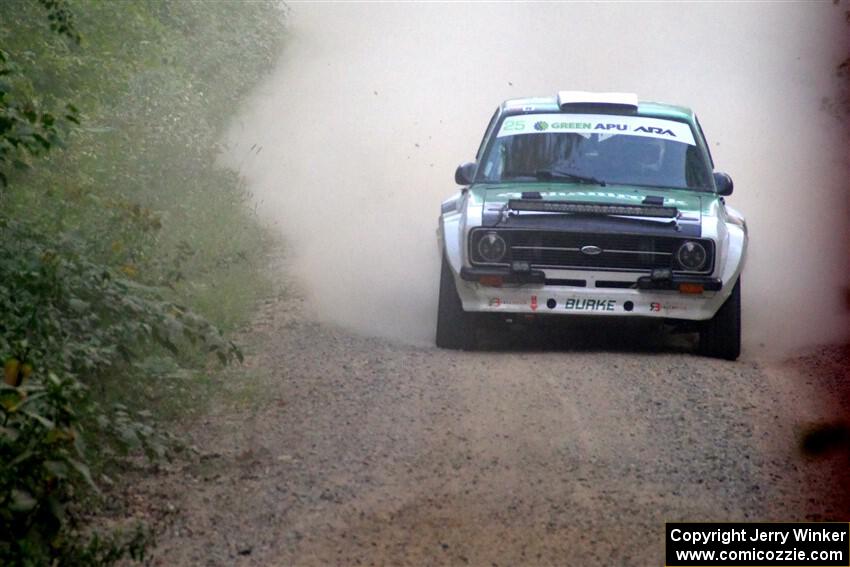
514, 126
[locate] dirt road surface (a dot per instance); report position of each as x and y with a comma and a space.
561, 447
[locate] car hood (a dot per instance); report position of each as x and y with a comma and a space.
693, 206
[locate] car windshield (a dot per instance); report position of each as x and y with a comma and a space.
596, 149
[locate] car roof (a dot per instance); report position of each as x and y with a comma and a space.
550, 104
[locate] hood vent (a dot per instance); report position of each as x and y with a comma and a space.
593, 208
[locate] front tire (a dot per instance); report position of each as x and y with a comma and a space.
720, 336
456, 328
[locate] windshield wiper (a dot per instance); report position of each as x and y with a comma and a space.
548, 173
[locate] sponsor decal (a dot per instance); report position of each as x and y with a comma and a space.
590, 304
601, 126
656, 307
501, 302
654, 130
534, 303
586, 124
571, 125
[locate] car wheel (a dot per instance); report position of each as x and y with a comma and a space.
720, 336
455, 327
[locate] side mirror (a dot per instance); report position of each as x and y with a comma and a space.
465, 173
723, 182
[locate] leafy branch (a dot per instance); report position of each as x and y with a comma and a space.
25, 129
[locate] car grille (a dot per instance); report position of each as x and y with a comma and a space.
557, 249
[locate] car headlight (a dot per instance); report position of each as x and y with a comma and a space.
691, 255
492, 247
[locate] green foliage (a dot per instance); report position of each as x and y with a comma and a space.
57, 303
155, 83
66, 321
61, 18
25, 129
121, 255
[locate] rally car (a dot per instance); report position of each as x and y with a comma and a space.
592, 204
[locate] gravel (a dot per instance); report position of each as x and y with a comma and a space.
549, 447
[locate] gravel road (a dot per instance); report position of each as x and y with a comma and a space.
357, 451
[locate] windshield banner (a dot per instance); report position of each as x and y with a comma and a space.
604, 124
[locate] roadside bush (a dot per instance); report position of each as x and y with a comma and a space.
129, 245
65, 322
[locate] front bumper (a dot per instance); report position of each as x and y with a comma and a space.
538, 292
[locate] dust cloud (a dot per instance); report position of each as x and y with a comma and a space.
357, 134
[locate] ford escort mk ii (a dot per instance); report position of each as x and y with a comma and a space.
592, 204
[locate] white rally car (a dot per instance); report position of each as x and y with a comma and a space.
592, 204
